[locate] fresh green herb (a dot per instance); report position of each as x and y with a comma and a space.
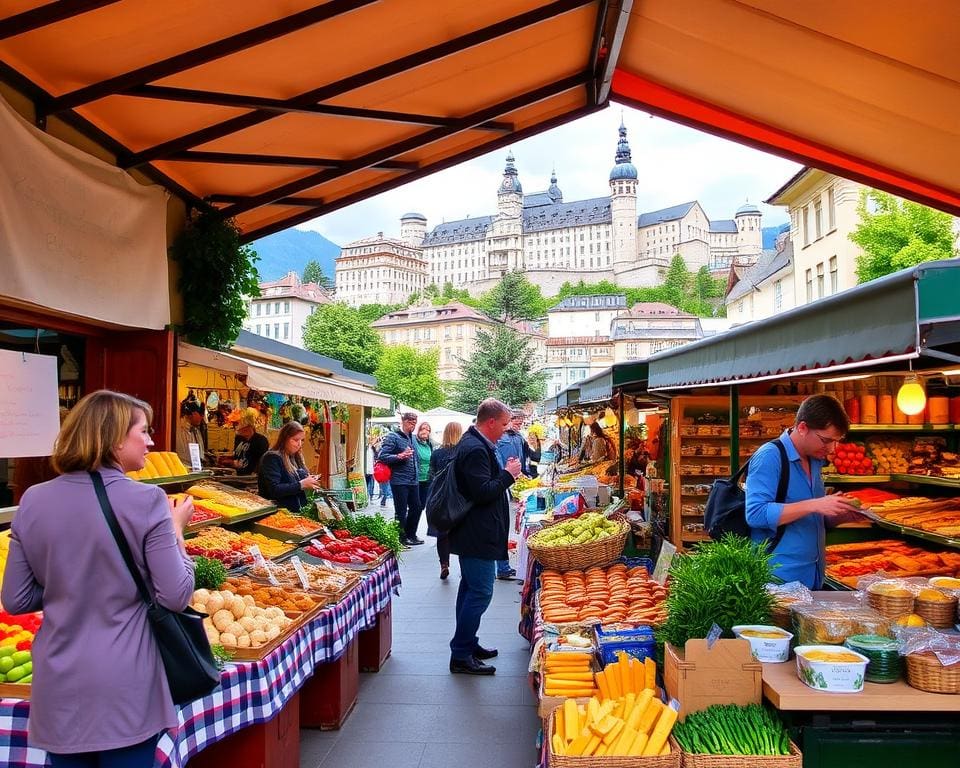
722, 582
376, 526
729, 729
220, 655
208, 573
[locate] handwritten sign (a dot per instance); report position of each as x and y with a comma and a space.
29, 404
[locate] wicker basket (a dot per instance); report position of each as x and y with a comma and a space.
581, 556
609, 761
780, 616
793, 760
924, 671
938, 613
890, 606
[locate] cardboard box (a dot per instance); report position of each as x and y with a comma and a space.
699, 676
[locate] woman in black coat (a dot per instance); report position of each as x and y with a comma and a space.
282, 476
439, 459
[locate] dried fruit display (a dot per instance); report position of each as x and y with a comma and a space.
295, 525
287, 599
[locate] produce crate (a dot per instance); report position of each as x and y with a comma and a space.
376, 642
257, 654
608, 761
281, 535
328, 697
273, 744
14, 691
699, 676
252, 515
638, 642
793, 760
582, 556
178, 479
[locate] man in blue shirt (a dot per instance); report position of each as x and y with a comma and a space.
511, 446
800, 555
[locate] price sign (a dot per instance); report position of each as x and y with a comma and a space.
195, 464
713, 635
301, 573
667, 551
259, 560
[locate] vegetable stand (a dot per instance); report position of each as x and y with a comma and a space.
251, 693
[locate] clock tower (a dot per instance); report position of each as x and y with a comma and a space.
505, 241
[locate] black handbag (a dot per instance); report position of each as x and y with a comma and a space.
446, 507
184, 647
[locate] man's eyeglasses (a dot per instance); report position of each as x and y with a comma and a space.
828, 440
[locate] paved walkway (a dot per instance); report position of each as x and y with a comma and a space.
414, 713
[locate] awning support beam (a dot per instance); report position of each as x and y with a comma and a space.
206, 53
347, 84
927, 352
231, 158
43, 16
304, 202
281, 106
400, 147
616, 29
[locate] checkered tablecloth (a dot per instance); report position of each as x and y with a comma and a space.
249, 692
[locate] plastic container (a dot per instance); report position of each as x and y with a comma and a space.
831, 676
885, 663
776, 649
638, 642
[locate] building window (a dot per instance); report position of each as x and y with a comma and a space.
266, 330
809, 285
276, 307
834, 276
259, 307
778, 295
276, 330
820, 280
286, 307
286, 330
258, 330
818, 219
806, 225
831, 210
267, 308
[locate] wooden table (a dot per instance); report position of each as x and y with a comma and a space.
786, 692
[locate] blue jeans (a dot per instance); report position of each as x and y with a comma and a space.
136, 756
385, 493
369, 479
406, 504
473, 598
503, 566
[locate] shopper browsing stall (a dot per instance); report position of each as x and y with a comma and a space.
282, 477
597, 446
249, 446
398, 453
800, 522
424, 451
439, 459
98, 685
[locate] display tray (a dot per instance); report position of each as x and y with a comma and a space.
787, 693
253, 515
258, 654
902, 428
943, 482
359, 567
281, 535
832, 478
194, 527
917, 533
177, 480
14, 690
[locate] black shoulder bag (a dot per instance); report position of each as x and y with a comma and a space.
446, 507
726, 510
184, 648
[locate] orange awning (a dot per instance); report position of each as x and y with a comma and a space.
278, 112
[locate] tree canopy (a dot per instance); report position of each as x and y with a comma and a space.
514, 298
343, 333
895, 234
313, 273
410, 377
501, 366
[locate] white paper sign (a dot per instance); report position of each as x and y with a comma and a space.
195, 464
301, 573
667, 551
29, 404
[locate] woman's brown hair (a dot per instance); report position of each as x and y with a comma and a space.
295, 462
452, 434
94, 429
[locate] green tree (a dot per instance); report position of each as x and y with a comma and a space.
449, 293
373, 312
587, 289
343, 333
676, 286
313, 273
514, 298
501, 366
410, 377
895, 234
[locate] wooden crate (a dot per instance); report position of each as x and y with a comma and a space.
328, 697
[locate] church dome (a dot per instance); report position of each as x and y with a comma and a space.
624, 169
413, 216
748, 209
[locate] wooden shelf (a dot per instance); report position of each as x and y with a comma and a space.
832, 478
903, 428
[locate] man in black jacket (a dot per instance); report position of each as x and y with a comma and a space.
481, 539
400, 454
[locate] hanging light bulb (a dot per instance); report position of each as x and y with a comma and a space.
911, 398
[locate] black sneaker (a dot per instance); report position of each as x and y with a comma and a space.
481, 654
414, 540
507, 575
470, 667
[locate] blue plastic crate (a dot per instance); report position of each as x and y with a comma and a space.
638, 642
638, 562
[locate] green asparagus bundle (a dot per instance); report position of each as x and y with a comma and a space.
729, 729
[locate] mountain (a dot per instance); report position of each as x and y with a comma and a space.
290, 250
770, 235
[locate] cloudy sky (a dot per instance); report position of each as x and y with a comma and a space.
676, 164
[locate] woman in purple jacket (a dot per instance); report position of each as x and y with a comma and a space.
99, 695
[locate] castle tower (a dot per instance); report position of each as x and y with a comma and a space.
623, 206
505, 241
749, 229
556, 196
413, 228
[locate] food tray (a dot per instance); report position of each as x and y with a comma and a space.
14, 690
609, 761
793, 760
258, 654
282, 535
263, 512
359, 567
177, 479
194, 527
